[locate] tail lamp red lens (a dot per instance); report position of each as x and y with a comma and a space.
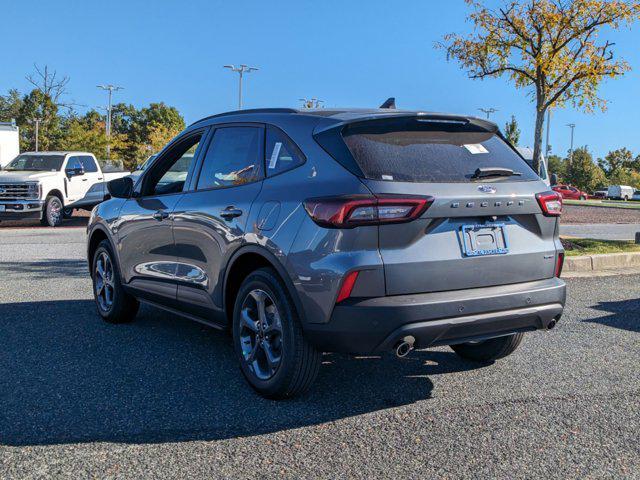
347, 286
550, 203
559, 264
357, 210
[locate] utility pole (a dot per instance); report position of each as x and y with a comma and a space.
241, 70
36, 121
548, 147
488, 111
572, 126
110, 88
311, 102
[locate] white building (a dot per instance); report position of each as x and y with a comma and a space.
9, 142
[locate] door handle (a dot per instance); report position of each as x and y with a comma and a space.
230, 212
85, 179
160, 215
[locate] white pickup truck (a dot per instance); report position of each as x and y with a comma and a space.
50, 185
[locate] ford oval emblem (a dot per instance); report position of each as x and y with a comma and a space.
487, 189
2, 190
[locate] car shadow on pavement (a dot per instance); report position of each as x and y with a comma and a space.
623, 314
46, 269
69, 377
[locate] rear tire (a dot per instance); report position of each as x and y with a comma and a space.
582, 197
53, 212
489, 350
275, 358
113, 303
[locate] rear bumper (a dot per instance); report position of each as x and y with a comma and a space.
440, 318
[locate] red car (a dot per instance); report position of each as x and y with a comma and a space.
569, 192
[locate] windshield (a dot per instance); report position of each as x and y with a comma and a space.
413, 151
36, 163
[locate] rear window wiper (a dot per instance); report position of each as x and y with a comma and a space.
494, 172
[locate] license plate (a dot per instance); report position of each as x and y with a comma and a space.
488, 239
2, 208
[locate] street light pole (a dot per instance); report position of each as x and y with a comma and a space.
241, 70
311, 102
572, 126
110, 88
488, 111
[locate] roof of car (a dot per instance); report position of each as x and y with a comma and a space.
347, 115
57, 152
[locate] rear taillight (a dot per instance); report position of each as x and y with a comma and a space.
559, 264
347, 286
550, 203
357, 210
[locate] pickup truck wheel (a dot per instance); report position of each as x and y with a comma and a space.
67, 212
113, 303
52, 215
275, 358
489, 350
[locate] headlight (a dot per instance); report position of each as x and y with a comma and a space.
34, 190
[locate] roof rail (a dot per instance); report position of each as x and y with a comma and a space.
248, 111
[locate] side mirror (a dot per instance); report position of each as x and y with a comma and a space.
120, 187
554, 179
74, 172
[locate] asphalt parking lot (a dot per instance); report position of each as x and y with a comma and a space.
163, 397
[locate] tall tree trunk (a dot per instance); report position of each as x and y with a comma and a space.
537, 141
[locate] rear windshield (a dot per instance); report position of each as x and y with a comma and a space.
413, 151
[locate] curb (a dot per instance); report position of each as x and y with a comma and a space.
605, 261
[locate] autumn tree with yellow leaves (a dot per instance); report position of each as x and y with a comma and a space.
550, 46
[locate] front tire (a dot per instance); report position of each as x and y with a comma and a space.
489, 350
275, 358
113, 303
53, 212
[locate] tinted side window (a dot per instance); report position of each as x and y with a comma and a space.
88, 164
281, 153
169, 173
233, 158
73, 162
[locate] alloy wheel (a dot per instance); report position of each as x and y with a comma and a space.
104, 282
261, 334
55, 210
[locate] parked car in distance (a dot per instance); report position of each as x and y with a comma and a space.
569, 192
620, 192
354, 231
636, 195
49, 185
599, 194
9, 142
527, 154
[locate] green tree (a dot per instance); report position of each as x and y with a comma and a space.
39, 106
583, 173
512, 131
617, 160
558, 165
10, 105
552, 47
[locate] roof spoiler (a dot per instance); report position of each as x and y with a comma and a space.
389, 103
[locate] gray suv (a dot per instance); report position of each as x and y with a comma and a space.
358, 231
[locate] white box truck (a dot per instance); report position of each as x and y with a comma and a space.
9, 142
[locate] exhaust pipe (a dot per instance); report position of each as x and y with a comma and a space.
405, 346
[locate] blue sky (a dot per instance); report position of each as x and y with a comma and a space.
348, 53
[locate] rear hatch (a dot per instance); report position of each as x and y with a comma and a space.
484, 227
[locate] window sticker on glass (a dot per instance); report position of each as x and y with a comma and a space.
476, 148
275, 154
387, 177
